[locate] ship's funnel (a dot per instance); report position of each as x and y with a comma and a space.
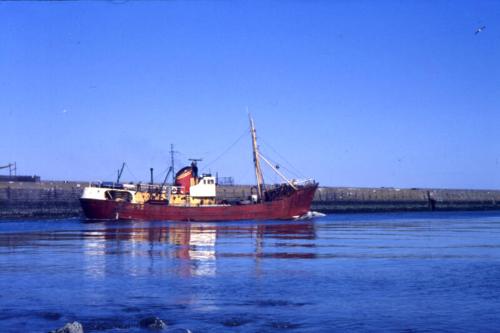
183, 178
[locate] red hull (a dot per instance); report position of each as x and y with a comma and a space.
296, 204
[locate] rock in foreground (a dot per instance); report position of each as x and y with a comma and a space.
74, 327
153, 323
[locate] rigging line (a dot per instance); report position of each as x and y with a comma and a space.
179, 163
164, 172
130, 171
111, 175
181, 153
279, 166
226, 150
297, 172
276, 170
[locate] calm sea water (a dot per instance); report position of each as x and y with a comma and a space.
402, 272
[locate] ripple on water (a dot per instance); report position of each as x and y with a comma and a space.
380, 272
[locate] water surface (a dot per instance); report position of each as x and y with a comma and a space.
401, 272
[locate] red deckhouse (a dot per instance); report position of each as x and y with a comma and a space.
193, 198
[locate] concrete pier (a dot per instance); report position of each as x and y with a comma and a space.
59, 199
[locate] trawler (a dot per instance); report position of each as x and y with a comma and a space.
192, 197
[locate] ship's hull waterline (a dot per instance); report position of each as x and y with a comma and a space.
296, 204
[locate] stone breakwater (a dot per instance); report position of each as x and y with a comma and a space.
355, 199
56, 199
59, 199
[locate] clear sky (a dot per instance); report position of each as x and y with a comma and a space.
352, 93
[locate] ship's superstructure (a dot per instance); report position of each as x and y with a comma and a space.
188, 190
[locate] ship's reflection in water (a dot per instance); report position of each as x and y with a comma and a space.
196, 246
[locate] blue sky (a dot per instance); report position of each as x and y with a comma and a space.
351, 93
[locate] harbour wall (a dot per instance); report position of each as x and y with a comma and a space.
46, 199
355, 199
59, 199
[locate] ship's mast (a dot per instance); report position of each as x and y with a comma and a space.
172, 162
256, 161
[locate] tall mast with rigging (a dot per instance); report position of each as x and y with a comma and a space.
256, 161
172, 163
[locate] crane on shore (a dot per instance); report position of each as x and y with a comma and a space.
12, 168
